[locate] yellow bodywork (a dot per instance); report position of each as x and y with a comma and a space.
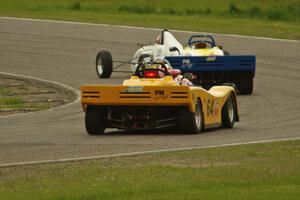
159, 92
216, 51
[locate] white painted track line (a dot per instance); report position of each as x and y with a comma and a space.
142, 153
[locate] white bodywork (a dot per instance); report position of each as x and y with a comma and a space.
160, 51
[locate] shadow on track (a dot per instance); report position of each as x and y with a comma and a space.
158, 132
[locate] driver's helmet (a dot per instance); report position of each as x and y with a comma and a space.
173, 72
163, 62
158, 39
199, 45
159, 64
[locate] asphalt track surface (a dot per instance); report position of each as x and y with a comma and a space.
65, 53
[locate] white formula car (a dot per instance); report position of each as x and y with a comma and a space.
209, 64
167, 45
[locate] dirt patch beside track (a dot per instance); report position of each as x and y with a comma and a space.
20, 95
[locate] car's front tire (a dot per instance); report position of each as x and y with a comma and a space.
104, 64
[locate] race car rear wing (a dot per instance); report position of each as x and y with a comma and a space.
136, 95
213, 63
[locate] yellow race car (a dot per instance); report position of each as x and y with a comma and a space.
152, 99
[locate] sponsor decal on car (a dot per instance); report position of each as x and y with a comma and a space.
159, 92
134, 89
209, 107
160, 95
216, 107
212, 107
186, 63
211, 58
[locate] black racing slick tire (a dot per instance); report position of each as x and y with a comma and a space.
192, 122
95, 117
245, 85
104, 64
229, 112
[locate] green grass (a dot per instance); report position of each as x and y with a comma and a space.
17, 103
3, 91
269, 18
39, 106
11, 101
262, 171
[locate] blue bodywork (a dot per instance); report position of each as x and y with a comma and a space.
196, 64
208, 71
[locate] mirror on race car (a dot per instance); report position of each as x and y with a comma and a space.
172, 49
188, 75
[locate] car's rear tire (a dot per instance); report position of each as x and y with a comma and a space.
192, 122
95, 117
229, 112
245, 85
104, 64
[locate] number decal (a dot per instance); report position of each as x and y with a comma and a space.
159, 92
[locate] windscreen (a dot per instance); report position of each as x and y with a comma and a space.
170, 41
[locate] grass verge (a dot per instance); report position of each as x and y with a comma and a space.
280, 19
19, 95
11, 102
261, 171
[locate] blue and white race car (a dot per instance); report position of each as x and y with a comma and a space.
209, 64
